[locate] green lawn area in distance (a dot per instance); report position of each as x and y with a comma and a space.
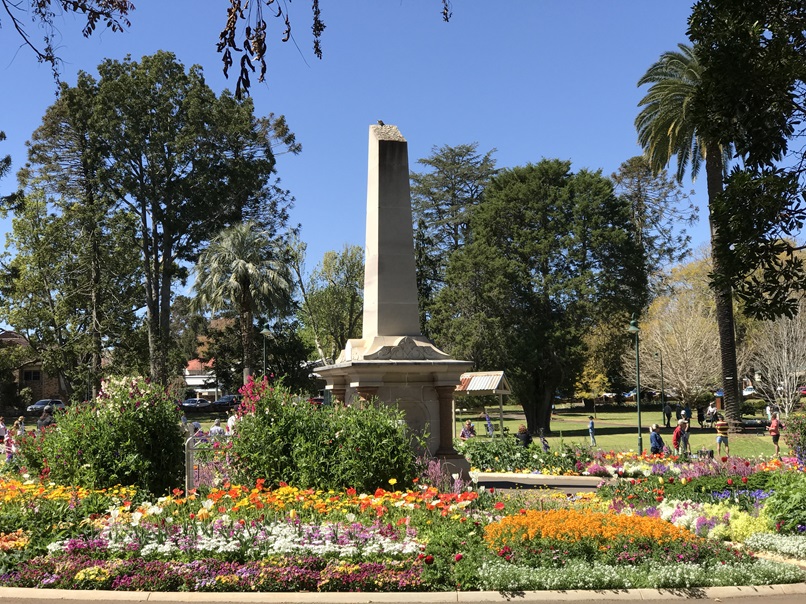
617, 429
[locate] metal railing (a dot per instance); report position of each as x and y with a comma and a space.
206, 461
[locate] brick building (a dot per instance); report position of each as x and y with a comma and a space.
30, 374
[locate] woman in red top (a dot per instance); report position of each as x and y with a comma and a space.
775, 428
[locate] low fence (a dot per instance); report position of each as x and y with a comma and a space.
206, 461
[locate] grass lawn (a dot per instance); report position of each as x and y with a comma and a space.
618, 430
615, 430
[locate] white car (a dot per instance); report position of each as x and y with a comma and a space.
39, 406
749, 391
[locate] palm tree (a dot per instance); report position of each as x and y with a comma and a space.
243, 268
670, 125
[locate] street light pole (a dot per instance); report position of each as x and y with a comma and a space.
662, 391
266, 333
635, 330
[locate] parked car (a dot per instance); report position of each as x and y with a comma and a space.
802, 390
227, 402
749, 391
196, 404
39, 406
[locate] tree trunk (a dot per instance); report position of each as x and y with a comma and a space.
165, 304
246, 341
95, 329
723, 295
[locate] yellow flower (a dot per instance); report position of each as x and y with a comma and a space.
660, 480
393, 481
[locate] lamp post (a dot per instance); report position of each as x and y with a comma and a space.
659, 354
266, 333
635, 330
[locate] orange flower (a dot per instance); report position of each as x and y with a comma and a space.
572, 525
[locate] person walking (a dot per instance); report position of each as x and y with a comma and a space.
685, 447
721, 435
686, 413
774, 429
3, 430
592, 431
677, 437
655, 440
667, 415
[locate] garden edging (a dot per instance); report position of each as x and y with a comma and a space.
710, 593
538, 480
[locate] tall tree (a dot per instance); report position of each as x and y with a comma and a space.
69, 312
443, 200
552, 253
660, 211
64, 161
5, 161
186, 164
754, 91
669, 125
296, 261
779, 357
333, 307
678, 334
245, 270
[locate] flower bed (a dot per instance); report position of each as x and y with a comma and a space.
287, 539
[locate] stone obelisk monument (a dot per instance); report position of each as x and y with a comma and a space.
393, 361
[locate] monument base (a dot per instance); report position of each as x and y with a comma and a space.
423, 390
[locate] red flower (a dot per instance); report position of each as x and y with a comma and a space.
499, 505
458, 557
724, 459
744, 479
429, 559
730, 481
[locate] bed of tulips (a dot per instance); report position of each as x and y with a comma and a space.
662, 524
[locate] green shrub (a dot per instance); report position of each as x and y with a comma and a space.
280, 438
507, 455
786, 507
129, 436
795, 435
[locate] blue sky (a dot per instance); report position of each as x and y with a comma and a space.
530, 78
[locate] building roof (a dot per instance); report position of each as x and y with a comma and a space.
199, 366
479, 383
12, 337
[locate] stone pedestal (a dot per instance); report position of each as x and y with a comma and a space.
422, 389
393, 361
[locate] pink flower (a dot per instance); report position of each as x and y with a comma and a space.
458, 557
